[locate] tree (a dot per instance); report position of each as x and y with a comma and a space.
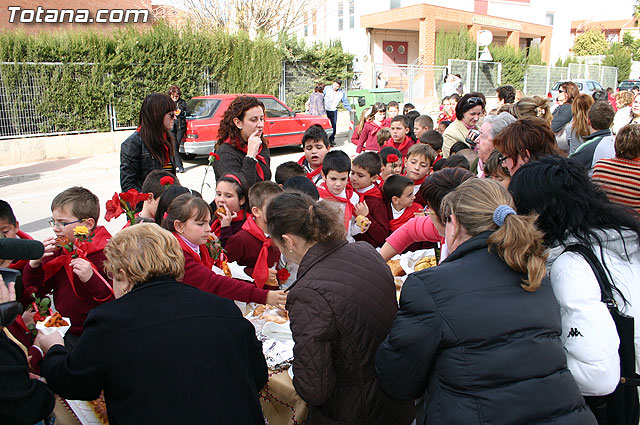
590, 43
269, 17
636, 12
620, 57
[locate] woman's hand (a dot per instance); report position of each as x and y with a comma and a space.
82, 268
7, 293
277, 298
49, 246
47, 341
254, 143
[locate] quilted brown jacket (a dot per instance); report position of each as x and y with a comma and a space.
341, 308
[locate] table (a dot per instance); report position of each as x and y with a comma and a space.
281, 405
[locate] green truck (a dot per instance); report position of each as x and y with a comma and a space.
362, 99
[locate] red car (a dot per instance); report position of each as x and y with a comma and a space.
282, 126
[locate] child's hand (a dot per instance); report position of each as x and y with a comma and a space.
272, 276
49, 247
366, 226
277, 298
82, 268
227, 218
420, 213
361, 208
27, 316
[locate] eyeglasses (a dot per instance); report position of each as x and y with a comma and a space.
62, 224
475, 101
172, 114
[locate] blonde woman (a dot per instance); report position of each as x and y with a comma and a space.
532, 107
578, 128
481, 331
164, 352
624, 99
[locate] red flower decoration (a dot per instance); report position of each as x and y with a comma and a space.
133, 197
213, 156
114, 208
393, 158
167, 181
282, 275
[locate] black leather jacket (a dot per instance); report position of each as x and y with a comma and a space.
136, 162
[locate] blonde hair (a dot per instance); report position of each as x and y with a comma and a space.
143, 252
625, 98
363, 119
518, 242
580, 110
531, 107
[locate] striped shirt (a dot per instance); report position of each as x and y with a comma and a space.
620, 179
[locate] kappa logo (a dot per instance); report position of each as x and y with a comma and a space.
574, 332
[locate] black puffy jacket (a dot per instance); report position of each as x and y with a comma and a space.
483, 349
136, 162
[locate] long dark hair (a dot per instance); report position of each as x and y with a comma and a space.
568, 202
228, 129
156, 139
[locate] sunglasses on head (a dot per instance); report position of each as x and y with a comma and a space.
172, 114
475, 101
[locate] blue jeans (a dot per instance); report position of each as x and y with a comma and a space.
333, 117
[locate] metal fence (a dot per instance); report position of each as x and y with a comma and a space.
414, 81
33, 102
489, 75
539, 79
607, 76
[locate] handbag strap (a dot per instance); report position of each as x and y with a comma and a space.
606, 296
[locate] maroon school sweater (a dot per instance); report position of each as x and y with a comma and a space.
65, 300
379, 217
198, 275
244, 248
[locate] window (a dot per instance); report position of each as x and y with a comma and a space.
314, 20
549, 18
306, 24
352, 7
274, 109
352, 18
352, 22
340, 16
394, 4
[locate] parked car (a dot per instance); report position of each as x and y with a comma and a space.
628, 85
585, 86
282, 126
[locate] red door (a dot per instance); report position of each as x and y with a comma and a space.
395, 52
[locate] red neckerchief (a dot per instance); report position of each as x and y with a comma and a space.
99, 240
261, 269
349, 208
373, 192
259, 158
419, 181
376, 127
19, 265
216, 226
312, 174
408, 214
403, 145
204, 258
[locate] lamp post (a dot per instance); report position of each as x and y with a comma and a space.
483, 39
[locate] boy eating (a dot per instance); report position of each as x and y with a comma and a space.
316, 146
397, 193
365, 171
251, 246
400, 135
78, 284
336, 188
418, 165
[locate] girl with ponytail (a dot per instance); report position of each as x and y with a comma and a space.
467, 324
341, 307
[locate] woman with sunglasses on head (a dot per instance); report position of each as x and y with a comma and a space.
151, 146
562, 115
241, 146
468, 111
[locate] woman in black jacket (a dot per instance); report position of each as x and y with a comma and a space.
242, 149
163, 352
179, 125
480, 333
151, 146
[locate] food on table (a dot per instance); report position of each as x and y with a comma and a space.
271, 314
225, 269
259, 310
99, 407
425, 263
396, 268
56, 321
221, 212
398, 283
362, 222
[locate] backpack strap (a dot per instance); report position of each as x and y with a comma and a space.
606, 295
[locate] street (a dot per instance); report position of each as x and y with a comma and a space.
30, 188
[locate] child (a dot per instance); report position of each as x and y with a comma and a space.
434, 139
400, 135
418, 166
368, 140
365, 171
188, 219
442, 126
335, 188
393, 108
10, 228
231, 203
251, 247
407, 108
397, 193
315, 144
302, 184
78, 284
391, 162
383, 135
496, 171
153, 185
288, 169
421, 125
361, 122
